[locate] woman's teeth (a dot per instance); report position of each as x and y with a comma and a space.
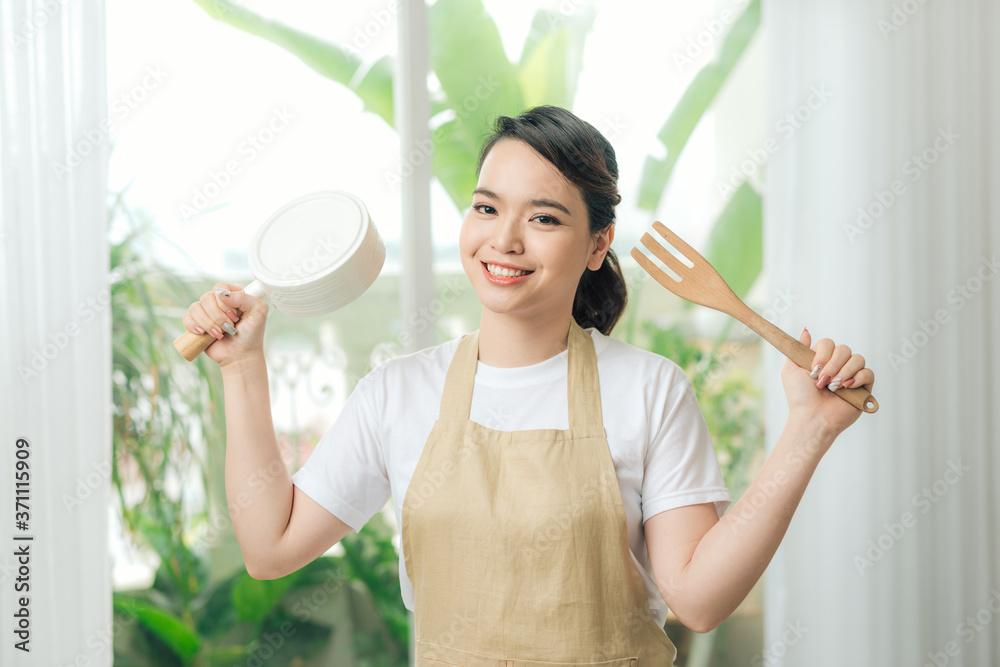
506, 273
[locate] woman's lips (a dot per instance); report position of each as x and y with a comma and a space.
502, 280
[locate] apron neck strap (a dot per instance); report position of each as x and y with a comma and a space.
583, 386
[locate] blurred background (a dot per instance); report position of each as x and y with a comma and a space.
836, 164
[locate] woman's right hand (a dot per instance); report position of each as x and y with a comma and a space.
211, 312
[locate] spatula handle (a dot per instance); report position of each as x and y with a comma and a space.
859, 397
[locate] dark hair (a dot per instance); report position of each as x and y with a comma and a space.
582, 154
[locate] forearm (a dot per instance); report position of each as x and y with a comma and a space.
258, 486
733, 555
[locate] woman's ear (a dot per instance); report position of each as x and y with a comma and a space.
601, 242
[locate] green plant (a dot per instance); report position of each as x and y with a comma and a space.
160, 405
169, 427
335, 610
691, 108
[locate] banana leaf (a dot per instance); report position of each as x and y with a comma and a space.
695, 101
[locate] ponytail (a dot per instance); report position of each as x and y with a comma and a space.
601, 296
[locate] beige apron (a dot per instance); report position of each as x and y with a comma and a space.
516, 542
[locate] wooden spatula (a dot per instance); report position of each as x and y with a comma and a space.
703, 285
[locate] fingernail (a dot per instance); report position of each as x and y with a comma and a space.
233, 316
815, 371
217, 333
849, 382
834, 384
230, 329
199, 329
223, 292
823, 379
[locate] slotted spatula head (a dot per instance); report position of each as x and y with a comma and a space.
702, 284
699, 283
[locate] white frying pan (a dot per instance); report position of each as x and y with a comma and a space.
312, 256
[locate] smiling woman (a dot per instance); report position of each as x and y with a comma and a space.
523, 458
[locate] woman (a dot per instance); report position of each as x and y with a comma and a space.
540, 470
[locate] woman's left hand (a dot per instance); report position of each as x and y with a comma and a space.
811, 399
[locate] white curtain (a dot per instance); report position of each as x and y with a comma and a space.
893, 557
55, 338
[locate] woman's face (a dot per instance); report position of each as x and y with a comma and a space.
525, 215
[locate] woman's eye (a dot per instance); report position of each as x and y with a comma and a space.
485, 208
547, 219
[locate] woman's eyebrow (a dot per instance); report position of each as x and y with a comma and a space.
534, 202
550, 204
487, 193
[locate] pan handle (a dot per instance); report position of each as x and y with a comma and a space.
190, 345
254, 289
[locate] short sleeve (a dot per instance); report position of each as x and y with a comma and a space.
346, 473
680, 466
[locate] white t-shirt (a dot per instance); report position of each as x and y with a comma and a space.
659, 441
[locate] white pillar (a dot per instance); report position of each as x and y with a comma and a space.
896, 542
411, 110
55, 338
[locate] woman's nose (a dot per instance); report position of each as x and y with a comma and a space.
506, 235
